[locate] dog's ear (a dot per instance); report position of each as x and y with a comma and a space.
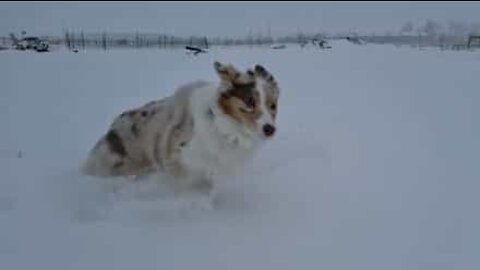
263, 73
227, 73
218, 66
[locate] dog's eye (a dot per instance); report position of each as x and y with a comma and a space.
249, 101
273, 107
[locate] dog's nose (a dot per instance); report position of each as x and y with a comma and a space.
268, 130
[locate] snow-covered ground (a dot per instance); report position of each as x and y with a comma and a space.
375, 166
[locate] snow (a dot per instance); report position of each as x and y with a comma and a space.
374, 166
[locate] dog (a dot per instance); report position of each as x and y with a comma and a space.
203, 132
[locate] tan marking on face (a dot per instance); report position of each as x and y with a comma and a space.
242, 104
241, 98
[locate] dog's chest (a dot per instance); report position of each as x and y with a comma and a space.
214, 154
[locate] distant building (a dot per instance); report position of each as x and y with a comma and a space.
473, 41
29, 43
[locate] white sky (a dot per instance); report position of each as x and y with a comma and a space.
226, 18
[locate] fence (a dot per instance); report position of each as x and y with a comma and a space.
105, 41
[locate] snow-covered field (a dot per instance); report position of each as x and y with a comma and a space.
375, 166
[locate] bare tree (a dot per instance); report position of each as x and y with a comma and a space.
83, 40
104, 40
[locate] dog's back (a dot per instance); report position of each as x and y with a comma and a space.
146, 138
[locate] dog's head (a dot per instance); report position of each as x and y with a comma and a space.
250, 98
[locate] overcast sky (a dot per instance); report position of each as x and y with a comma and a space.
227, 18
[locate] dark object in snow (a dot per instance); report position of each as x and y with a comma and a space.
75, 50
471, 40
279, 47
29, 43
323, 44
195, 50
355, 40
42, 46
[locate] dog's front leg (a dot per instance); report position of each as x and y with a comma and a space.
201, 192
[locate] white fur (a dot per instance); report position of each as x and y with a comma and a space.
266, 117
219, 144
